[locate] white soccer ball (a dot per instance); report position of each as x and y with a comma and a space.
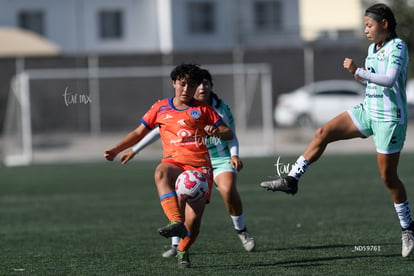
191, 186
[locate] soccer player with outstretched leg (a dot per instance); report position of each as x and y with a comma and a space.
383, 114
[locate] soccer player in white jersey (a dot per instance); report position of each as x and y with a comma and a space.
225, 159
383, 114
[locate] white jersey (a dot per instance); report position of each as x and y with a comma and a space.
386, 75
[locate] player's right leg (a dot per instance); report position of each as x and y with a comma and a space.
344, 126
165, 176
225, 180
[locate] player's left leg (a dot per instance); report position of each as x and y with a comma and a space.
342, 127
193, 215
387, 164
226, 183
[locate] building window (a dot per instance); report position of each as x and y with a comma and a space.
32, 21
201, 16
110, 24
267, 15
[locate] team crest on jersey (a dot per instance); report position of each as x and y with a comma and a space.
381, 55
195, 114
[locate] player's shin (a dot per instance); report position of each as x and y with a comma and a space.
170, 207
186, 242
299, 168
404, 214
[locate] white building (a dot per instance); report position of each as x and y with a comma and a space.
137, 26
331, 19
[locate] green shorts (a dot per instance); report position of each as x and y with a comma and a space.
222, 164
389, 137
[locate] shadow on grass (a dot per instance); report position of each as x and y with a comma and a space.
333, 246
303, 261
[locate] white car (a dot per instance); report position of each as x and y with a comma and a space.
410, 91
317, 103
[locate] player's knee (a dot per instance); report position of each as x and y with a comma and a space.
321, 133
391, 181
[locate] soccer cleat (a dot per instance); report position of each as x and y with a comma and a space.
183, 259
247, 240
173, 229
407, 242
172, 252
287, 184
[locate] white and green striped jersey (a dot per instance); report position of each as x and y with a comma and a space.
386, 75
221, 148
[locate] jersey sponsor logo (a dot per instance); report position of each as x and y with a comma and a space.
184, 133
195, 114
378, 96
168, 116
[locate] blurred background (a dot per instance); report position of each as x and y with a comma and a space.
77, 75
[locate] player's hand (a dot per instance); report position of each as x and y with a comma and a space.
236, 163
126, 156
210, 130
350, 65
110, 154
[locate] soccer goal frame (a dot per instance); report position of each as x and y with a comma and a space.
18, 136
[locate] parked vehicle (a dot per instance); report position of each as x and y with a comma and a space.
315, 104
410, 91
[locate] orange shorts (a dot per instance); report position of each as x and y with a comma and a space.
207, 171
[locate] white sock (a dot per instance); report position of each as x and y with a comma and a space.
238, 222
299, 168
175, 241
404, 215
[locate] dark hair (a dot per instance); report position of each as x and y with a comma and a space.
184, 70
206, 75
384, 12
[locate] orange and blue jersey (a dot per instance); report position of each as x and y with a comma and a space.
182, 131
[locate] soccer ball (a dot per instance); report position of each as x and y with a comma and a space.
191, 186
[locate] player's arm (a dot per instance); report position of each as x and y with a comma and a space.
386, 80
129, 140
148, 139
221, 131
229, 120
389, 78
233, 144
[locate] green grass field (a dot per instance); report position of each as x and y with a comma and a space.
101, 219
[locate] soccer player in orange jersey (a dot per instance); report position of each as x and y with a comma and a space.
183, 123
